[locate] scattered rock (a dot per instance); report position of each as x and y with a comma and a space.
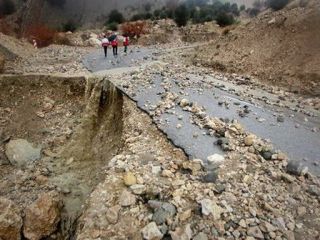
314, 190
138, 189
127, 199
185, 215
184, 233
301, 211
20, 152
129, 179
10, 220
296, 168
280, 119
42, 217
288, 178
2, 62
210, 208
151, 232
267, 155
113, 214
201, 236
255, 232
214, 161
210, 177
249, 140
194, 166
184, 103
164, 212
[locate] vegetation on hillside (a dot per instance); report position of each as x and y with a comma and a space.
7, 7
196, 11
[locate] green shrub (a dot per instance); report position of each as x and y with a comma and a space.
57, 3
224, 19
242, 8
253, 12
113, 26
181, 15
277, 4
69, 26
115, 17
7, 7
141, 16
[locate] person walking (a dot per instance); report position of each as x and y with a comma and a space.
114, 44
105, 44
126, 43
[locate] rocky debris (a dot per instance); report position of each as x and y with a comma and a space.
314, 190
244, 197
113, 214
21, 153
250, 192
296, 168
255, 232
151, 232
280, 119
127, 199
184, 103
249, 140
10, 220
50, 60
138, 189
42, 216
2, 62
129, 179
215, 161
210, 177
208, 207
195, 166
163, 212
182, 233
201, 236
93, 42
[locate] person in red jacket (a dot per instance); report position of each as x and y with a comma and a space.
126, 43
114, 44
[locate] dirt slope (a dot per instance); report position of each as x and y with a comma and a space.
280, 48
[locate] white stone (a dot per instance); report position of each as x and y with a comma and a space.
151, 232
210, 208
215, 160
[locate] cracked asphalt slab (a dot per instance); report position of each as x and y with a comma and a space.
300, 143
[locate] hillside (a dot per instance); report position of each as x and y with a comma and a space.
280, 48
85, 12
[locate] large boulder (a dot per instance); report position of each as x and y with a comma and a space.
93, 42
20, 152
42, 217
10, 220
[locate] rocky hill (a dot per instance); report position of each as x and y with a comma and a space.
281, 48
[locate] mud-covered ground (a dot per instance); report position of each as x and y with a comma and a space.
106, 171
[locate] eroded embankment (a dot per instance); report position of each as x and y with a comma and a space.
77, 123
